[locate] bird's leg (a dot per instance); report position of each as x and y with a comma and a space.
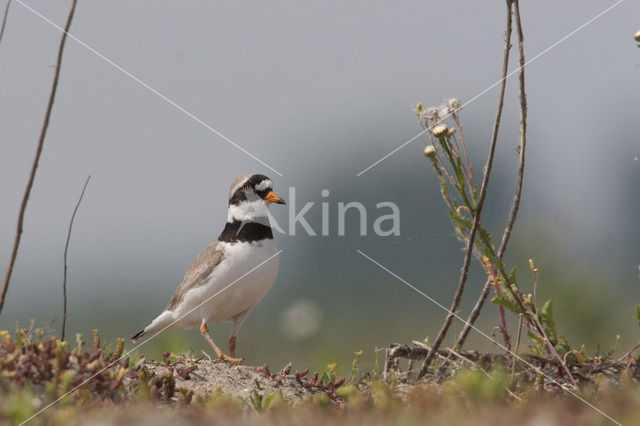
232, 345
237, 323
204, 330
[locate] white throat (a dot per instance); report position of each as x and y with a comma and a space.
249, 211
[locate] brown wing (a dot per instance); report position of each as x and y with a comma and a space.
200, 269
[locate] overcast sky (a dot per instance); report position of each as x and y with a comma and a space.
318, 91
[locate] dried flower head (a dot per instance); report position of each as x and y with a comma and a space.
445, 111
441, 130
637, 36
430, 151
454, 103
452, 131
431, 112
419, 109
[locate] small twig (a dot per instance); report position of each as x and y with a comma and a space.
553, 352
459, 356
505, 333
417, 351
4, 19
515, 354
626, 355
503, 321
483, 192
616, 362
36, 160
66, 250
536, 276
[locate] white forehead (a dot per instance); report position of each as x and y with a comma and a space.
265, 184
238, 183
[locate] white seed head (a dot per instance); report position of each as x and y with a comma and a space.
431, 111
440, 130
637, 36
452, 131
445, 111
430, 151
454, 103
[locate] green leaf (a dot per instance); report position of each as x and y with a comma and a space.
514, 275
267, 400
489, 252
486, 235
459, 173
475, 196
546, 318
444, 145
460, 220
562, 346
538, 344
507, 303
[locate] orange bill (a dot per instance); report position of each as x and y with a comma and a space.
273, 198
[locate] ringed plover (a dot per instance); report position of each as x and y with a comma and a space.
245, 242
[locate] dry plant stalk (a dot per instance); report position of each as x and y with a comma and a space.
465, 207
66, 250
4, 19
36, 159
518, 196
475, 208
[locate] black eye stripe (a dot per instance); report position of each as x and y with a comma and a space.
255, 180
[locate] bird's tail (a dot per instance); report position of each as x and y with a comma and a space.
160, 324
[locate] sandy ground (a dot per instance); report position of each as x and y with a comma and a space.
234, 380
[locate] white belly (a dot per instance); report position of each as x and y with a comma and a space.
236, 285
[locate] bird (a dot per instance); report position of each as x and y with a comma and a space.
221, 285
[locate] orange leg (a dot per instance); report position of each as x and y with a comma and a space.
204, 330
232, 345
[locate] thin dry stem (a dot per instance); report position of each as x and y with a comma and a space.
628, 353
515, 354
476, 218
523, 130
4, 19
66, 250
554, 353
616, 362
536, 275
36, 159
518, 196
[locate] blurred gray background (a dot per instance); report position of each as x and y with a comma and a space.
319, 91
